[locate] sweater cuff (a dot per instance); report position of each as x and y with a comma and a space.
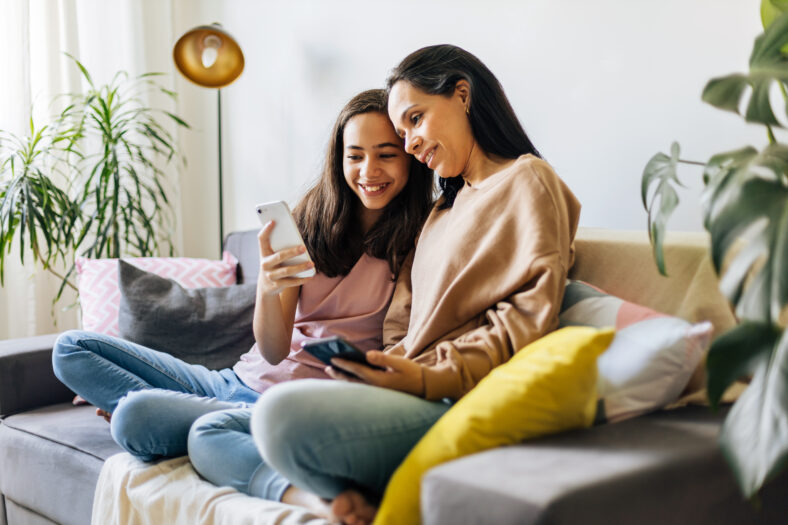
440, 383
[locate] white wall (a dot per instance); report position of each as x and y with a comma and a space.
600, 87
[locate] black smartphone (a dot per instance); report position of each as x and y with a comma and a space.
328, 347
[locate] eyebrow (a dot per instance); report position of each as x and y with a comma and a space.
405, 111
376, 146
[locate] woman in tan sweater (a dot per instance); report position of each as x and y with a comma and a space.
486, 278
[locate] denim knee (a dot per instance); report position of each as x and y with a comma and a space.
202, 442
129, 426
283, 421
66, 344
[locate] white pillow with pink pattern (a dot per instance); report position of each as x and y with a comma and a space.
651, 358
99, 292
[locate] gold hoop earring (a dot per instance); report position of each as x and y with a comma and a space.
467, 110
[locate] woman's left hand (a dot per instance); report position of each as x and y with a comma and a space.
401, 373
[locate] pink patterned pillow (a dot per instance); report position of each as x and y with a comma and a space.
99, 293
651, 358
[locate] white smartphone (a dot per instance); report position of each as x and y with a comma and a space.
285, 233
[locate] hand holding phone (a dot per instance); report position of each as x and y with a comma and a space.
329, 347
285, 234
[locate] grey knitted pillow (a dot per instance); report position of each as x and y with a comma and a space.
206, 326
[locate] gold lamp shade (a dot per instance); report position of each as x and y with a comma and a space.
208, 56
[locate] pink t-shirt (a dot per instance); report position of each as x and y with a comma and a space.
352, 306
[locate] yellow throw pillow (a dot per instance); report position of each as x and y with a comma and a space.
547, 387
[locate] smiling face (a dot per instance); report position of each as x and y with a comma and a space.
375, 166
435, 128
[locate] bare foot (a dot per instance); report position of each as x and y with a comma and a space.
106, 415
352, 508
79, 401
295, 496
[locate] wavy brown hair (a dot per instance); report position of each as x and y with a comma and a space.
328, 215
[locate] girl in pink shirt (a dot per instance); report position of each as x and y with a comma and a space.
359, 222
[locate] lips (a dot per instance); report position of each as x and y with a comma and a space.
427, 157
374, 189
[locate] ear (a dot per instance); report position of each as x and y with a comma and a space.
462, 89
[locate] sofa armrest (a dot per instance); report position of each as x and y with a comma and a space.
26, 377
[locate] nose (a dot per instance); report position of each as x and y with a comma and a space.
370, 166
412, 144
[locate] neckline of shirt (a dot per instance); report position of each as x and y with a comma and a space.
497, 176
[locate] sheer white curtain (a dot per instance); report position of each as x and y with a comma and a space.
131, 35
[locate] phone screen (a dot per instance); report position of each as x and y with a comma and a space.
325, 349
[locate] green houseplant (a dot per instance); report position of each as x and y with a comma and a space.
91, 182
745, 210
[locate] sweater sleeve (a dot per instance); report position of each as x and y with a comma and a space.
510, 325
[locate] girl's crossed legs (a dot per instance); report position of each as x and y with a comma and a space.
153, 397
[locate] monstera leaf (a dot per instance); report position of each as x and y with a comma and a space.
737, 353
660, 170
746, 209
771, 9
754, 437
768, 64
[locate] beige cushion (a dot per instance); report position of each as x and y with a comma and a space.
622, 264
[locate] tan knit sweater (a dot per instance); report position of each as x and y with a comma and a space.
487, 277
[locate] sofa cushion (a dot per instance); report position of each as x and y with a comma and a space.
18, 514
652, 356
665, 467
622, 263
26, 377
50, 459
660, 468
99, 295
547, 387
204, 326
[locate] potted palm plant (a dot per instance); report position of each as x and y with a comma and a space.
745, 211
92, 181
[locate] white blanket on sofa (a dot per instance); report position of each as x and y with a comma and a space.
130, 491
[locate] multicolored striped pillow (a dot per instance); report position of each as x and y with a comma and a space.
99, 291
651, 358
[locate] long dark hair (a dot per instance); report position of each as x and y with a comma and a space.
436, 71
328, 215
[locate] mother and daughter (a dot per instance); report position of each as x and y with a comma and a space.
436, 295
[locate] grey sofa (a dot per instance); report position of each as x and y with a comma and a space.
659, 468
51, 452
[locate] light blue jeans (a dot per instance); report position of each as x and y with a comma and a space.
328, 436
103, 369
324, 436
155, 399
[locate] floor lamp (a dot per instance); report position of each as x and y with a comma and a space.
210, 57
